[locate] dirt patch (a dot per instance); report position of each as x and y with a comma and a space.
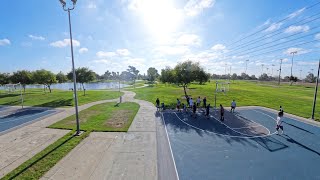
119, 118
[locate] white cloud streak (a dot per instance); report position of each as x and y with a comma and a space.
34, 37
195, 7
64, 43
295, 29
83, 50
4, 42
273, 27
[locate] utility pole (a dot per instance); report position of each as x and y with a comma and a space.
280, 72
315, 93
300, 75
246, 66
262, 69
230, 73
293, 53
225, 70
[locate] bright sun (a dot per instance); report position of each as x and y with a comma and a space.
160, 16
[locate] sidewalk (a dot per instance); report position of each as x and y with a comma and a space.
115, 155
20, 145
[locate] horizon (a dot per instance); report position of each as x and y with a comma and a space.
113, 35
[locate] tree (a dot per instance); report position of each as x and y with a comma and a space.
201, 76
264, 77
234, 76
134, 73
186, 72
107, 75
4, 78
44, 77
24, 77
61, 78
167, 75
152, 74
310, 78
83, 75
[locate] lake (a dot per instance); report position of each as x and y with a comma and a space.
87, 86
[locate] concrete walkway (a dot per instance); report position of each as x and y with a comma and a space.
110, 155
21, 144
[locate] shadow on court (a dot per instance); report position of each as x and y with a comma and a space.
23, 112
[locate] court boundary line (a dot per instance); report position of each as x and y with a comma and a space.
250, 137
238, 131
174, 162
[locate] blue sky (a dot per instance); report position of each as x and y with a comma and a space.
111, 35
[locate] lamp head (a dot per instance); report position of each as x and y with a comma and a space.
74, 2
63, 3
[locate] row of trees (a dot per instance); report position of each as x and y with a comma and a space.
46, 78
264, 77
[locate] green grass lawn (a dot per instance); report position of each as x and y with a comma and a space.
102, 117
42, 162
296, 99
58, 98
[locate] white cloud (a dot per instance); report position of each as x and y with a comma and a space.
296, 13
101, 61
317, 36
294, 29
273, 27
171, 50
123, 52
83, 50
102, 54
218, 47
34, 37
4, 42
195, 7
188, 39
64, 43
118, 52
92, 5
298, 50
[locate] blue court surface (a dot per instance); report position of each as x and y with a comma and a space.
12, 118
243, 146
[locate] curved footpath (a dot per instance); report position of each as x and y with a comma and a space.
120, 155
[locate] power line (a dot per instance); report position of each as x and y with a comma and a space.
284, 19
303, 43
266, 36
274, 44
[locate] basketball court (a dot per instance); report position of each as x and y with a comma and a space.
12, 118
243, 146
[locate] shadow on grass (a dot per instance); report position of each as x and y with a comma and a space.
8, 95
42, 157
57, 103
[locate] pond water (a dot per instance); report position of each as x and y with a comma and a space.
87, 86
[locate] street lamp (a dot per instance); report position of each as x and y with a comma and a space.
246, 66
63, 3
294, 52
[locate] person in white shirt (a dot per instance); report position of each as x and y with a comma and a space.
279, 123
233, 105
198, 101
191, 102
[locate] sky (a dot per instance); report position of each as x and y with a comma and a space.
222, 35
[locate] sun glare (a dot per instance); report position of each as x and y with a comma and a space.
160, 17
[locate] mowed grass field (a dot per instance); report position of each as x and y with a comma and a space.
295, 99
102, 117
58, 98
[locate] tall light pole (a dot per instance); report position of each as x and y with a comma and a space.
315, 93
280, 72
246, 66
262, 69
293, 53
119, 80
63, 2
300, 75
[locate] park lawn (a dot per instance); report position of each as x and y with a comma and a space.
295, 99
58, 98
38, 165
102, 117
